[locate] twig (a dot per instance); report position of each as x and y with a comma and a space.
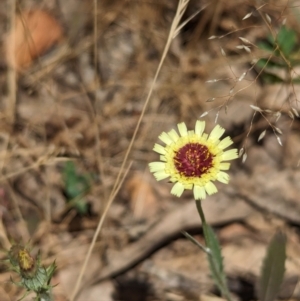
11, 71
179, 13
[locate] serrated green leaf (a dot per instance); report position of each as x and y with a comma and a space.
273, 269
50, 271
215, 259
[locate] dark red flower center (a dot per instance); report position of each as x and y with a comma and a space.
193, 160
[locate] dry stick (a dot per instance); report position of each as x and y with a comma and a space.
11, 72
88, 255
215, 18
3, 236
97, 134
24, 228
6, 138
180, 10
4, 241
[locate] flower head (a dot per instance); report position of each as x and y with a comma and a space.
34, 277
193, 159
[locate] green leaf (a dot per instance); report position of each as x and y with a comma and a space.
265, 63
81, 206
269, 78
50, 271
215, 259
286, 40
76, 186
266, 46
273, 269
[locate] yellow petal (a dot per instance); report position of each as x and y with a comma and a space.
182, 129
173, 134
159, 149
157, 166
199, 128
164, 137
199, 192
224, 166
160, 175
177, 189
163, 158
210, 188
216, 133
230, 154
204, 136
225, 143
223, 177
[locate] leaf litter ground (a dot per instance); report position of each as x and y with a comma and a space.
63, 115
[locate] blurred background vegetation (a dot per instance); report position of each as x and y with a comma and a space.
72, 90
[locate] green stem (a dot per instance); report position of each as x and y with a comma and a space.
203, 220
196, 242
223, 288
200, 211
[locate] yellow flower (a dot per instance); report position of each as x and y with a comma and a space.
193, 159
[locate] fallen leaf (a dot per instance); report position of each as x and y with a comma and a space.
35, 32
143, 202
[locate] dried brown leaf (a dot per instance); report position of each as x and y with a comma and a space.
35, 32
143, 202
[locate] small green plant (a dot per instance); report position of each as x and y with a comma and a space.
76, 187
33, 276
284, 55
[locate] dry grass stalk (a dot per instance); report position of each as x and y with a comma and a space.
11, 71
179, 13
